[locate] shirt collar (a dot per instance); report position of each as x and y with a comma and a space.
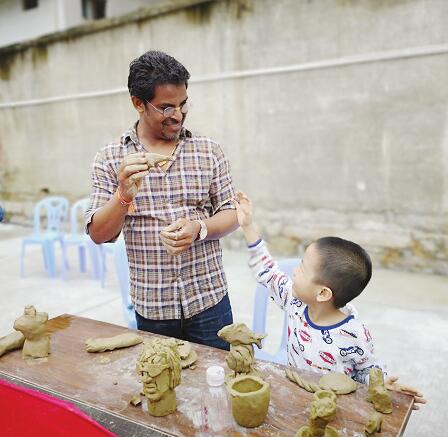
131, 135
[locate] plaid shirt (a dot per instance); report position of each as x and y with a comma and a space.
196, 185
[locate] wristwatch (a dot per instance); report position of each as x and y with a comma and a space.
203, 231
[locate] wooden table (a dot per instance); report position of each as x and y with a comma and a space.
102, 384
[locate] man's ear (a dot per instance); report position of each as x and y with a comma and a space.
325, 294
139, 105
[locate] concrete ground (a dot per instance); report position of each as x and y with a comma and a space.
406, 312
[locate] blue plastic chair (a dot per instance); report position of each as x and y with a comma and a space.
54, 210
122, 269
260, 313
77, 237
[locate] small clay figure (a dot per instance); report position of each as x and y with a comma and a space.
11, 341
157, 160
250, 397
159, 368
110, 343
188, 355
33, 325
296, 378
374, 424
378, 393
240, 359
322, 411
338, 382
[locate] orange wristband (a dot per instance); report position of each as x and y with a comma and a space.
125, 202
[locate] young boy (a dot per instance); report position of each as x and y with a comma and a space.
324, 333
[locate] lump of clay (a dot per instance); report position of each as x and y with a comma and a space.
296, 378
373, 425
10, 342
378, 393
340, 383
111, 343
322, 411
159, 369
240, 359
188, 355
250, 398
33, 325
157, 160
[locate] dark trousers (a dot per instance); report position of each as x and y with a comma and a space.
201, 328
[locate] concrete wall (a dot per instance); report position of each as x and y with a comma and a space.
352, 141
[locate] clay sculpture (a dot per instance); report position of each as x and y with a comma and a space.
240, 359
378, 393
110, 343
296, 378
250, 397
188, 355
340, 383
322, 411
159, 368
373, 425
11, 341
157, 160
33, 325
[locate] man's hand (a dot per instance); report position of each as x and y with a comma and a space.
180, 235
391, 384
131, 173
243, 207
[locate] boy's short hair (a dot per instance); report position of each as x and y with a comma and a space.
345, 267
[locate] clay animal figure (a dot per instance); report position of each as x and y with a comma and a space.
157, 160
322, 411
378, 393
240, 359
10, 342
159, 368
33, 325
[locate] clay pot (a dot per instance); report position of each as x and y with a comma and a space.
250, 397
322, 394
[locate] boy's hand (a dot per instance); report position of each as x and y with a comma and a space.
391, 384
243, 209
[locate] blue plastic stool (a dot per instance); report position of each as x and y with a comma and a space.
122, 269
260, 313
55, 211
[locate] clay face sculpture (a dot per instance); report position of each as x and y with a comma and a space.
241, 356
159, 368
10, 342
119, 341
377, 393
322, 411
33, 326
250, 398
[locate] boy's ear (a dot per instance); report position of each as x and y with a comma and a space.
325, 294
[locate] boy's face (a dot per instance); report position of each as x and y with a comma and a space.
303, 285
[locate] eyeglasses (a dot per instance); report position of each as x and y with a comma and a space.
170, 110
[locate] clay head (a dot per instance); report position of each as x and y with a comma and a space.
159, 368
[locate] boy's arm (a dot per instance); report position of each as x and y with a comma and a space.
265, 270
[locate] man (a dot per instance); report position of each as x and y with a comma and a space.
173, 215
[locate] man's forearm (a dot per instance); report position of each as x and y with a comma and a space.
108, 221
221, 224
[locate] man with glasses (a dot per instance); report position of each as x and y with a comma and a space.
172, 215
